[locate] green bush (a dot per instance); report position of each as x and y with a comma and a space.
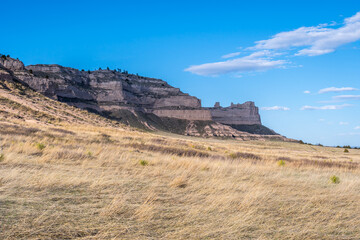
281, 163
209, 148
40, 146
2, 157
346, 150
144, 163
334, 179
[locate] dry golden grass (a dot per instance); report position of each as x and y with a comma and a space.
87, 183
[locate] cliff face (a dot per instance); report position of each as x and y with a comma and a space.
115, 94
237, 114
105, 90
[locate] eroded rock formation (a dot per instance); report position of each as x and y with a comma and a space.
114, 94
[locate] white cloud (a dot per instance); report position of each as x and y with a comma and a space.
315, 40
308, 41
327, 107
343, 123
355, 18
275, 108
307, 92
335, 89
347, 97
230, 55
321, 120
249, 63
357, 128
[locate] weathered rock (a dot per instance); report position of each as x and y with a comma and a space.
137, 100
239, 114
11, 63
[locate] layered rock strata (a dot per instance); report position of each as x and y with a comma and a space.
110, 93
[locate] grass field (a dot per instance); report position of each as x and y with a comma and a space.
80, 181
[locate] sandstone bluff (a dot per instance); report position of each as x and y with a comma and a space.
142, 102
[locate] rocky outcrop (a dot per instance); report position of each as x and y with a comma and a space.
105, 90
136, 100
11, 64
237, 114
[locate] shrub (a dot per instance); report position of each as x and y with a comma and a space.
40, 146
31, 71
89, 154
281, 163
2, 157
209, 148
334, 179
144, 163
346, 150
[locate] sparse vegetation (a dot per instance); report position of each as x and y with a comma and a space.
346, 150
40, 146
334, 179
93, 179
2, 157
143, 162
281, 163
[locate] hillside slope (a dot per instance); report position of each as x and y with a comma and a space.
19, 101
69, 174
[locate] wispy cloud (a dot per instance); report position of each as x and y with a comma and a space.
347, 97
275, 108
307, 92
309, 41
257, 61
343, 123
357, 128
327, 107
230, 55
336, 89
316, 40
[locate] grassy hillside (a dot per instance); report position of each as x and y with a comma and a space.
69, 174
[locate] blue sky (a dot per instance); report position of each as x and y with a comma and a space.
269, 52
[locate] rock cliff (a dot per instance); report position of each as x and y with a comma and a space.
139, 101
